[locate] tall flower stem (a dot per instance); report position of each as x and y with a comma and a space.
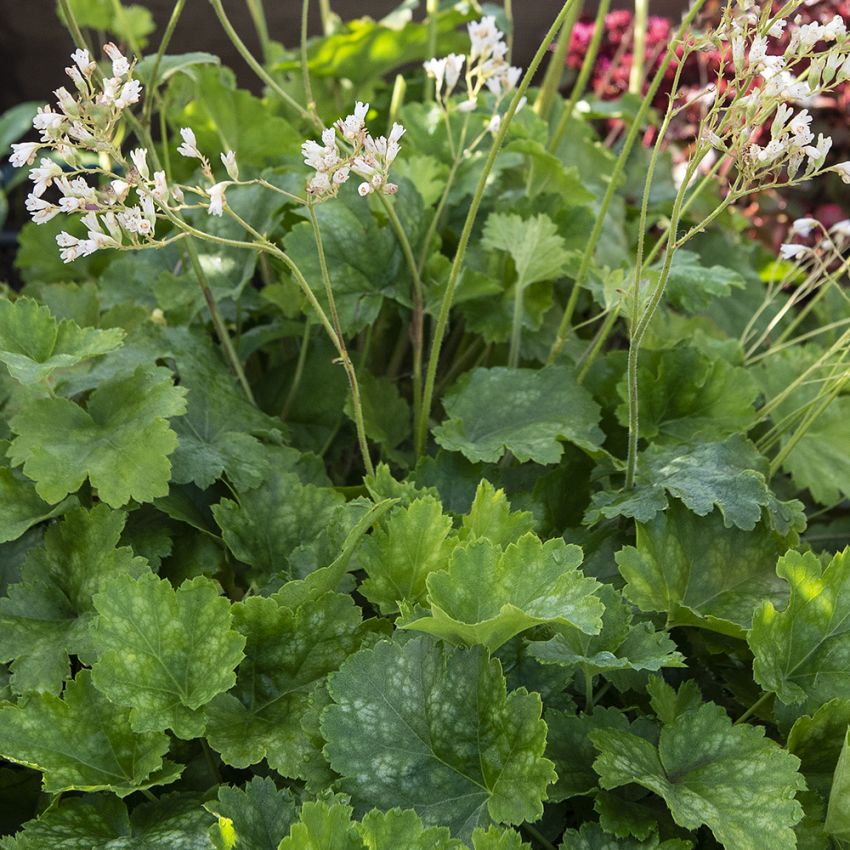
555, 68
305, 60
432, 9
613, 183
641, 326
163, 46
639, 46
580, 84
258, 16
257, 68
347, 364
421, 432
418, 317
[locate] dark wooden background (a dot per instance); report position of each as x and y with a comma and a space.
34, 49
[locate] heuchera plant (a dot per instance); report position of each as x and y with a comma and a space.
449, 474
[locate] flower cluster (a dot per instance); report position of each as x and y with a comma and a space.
768, 73
822, 241
358, 152
84, 125
81, 126
486, 68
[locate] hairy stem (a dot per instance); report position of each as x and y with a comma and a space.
639, 45
163, 46
446, 304
418, 318
305, 60
258, 16
257, 68
584, 73
555, 68
613, 183
347, 364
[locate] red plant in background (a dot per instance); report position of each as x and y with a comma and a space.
610, 80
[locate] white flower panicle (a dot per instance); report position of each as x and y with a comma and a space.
827, 246
486, 69
87, 122
767, 85
368, 157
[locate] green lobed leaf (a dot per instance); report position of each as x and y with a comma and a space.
46, 616
21, 507
101, 822
423, 726
83, 742
727, 474
164, 653
533, 244
411, 542
817, 740
592, 837
120, 442
837, 823
323, 826
267, 523
802, 653
524, 411
487, 595
701, 573
686, 395
288, 653
729, 778
490, 518
259, 814
619, 645
33, 344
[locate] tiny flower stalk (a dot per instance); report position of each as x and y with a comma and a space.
421, 434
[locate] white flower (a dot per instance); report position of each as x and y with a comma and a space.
120, 188
341, 175
24, 153
140, 160
71, 247
217, 199
758, 50
843, 170
160, 187
454, 65
494, 124
364, 189
793, 252
43, 176
319, 183
47, 121
777, 27
131, 91
352, 125
120, 65
82, 59
803, 226
484, 36
229, 161
66, 102
396, 133
468, 105
40, 210
109, 91
817, 154
738, 51
841, 228
436, 70
834, 30
190, 144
